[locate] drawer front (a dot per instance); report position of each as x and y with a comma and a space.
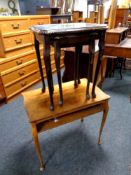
21, 85
19, 74
17, 62
40, 21
8, 26
16, 41
19, 51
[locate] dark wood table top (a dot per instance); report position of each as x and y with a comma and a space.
67, 27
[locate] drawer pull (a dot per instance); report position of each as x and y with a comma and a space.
39, 23
21, 73
56, 120
18, 41
15, 26
19, 62
24, 83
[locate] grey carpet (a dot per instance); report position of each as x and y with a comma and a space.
70, 149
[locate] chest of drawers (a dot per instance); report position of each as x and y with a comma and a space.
18, 63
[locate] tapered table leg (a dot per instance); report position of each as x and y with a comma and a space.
47, 61
78, 51
57, 62
37, 146
39, 63
101, 50
90, 65
105, 112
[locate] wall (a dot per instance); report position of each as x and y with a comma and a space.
28, 7
81, 5
4, 5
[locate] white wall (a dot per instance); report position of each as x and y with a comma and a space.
4, 4
81, 5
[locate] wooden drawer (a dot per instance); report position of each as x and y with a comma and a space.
16, 41
15, 62
19, 74
21, 50
21, 85
15, 25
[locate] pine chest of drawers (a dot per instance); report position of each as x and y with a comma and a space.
18, 63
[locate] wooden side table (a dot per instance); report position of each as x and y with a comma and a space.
69, 35
75, 107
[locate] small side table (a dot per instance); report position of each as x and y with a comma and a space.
69, 35
75, 107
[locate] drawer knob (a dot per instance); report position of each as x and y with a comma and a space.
24, 83
15, 26
21, 73
39, 23
18, 41
19, 62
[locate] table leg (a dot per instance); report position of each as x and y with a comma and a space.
39, 62
37, 146
101, 51
78, 51
57, 62
48, 69
90, 65
105, 111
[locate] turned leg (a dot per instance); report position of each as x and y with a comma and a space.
57, 63
39, 63
101, 50
78, 51
37, 146
90, 65
105, 111
48, 69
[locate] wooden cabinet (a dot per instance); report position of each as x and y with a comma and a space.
18, 64
121, 16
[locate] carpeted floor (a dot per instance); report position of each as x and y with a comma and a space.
70, 149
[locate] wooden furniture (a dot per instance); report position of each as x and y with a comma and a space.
77, 16
41, 10
112, 14
121, 16
121, 50
2, 92
18, 64
116, 35
67, 35
64, 18
113, 37
76, 106
69, 59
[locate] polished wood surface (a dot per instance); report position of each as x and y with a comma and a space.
76, 106
116, 35
123, 49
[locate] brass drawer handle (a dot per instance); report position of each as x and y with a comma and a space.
15, 26
39, 23
19, 62
22, 73
24, 83
18, 41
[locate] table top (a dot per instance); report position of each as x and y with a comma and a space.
37, 103
117, 30
123, 49
67, 27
